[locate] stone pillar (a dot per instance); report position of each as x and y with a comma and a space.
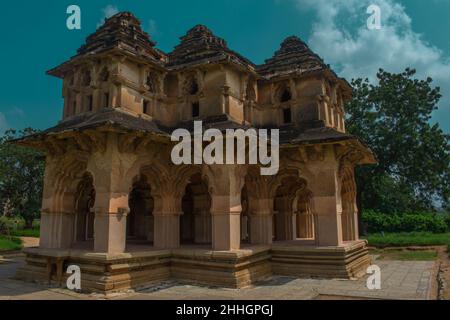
348, 199
349, 222
225, 227
111, 209
168, 183
112, 187
56, 230
261, 191
305, 217
305, 225
167, 230
244, 227
355, 233
110, 231
225, 183
327, 205
202, 226
96, 99
167, 214
261, 220
79, 103
149, 224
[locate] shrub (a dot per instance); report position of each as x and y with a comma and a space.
3, 227
447, 220
36, 224
11, 224
408, 222
408, 239
10, 243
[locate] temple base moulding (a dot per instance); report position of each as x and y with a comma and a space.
108, 273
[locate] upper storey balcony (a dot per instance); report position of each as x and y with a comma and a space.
120, 69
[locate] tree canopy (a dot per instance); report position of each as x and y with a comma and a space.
21, 177
394, 118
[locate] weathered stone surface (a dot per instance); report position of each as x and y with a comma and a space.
110, 183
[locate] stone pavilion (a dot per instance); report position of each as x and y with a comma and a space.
115, 205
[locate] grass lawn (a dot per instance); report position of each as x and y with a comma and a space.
10, 243
406, 255
408, 239
34, 233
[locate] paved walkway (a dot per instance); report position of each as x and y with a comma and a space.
399, 280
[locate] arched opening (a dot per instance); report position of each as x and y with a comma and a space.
140, 217
193, 88
285, 219
190, 85
285, 95
84, 214
195, 222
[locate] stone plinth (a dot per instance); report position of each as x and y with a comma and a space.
196, 265
231, 269
348, 261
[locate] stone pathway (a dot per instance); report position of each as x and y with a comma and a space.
29, 242
399, 280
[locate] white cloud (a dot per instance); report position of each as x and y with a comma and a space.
340, 35
107, 12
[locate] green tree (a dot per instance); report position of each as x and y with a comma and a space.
21, 177
393, 118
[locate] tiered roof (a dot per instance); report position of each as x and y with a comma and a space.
121, 32
200, 45
293, 56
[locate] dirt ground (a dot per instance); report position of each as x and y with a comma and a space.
444, 273
30, 242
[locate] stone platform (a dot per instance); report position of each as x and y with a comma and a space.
348, 261
195, 265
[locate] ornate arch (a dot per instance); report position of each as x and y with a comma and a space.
191, 85
152, 82
64, 173
168, 182
283, 92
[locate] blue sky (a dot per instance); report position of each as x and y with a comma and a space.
34, 39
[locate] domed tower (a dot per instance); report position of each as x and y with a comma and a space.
118, 67
299, 89
210, 77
